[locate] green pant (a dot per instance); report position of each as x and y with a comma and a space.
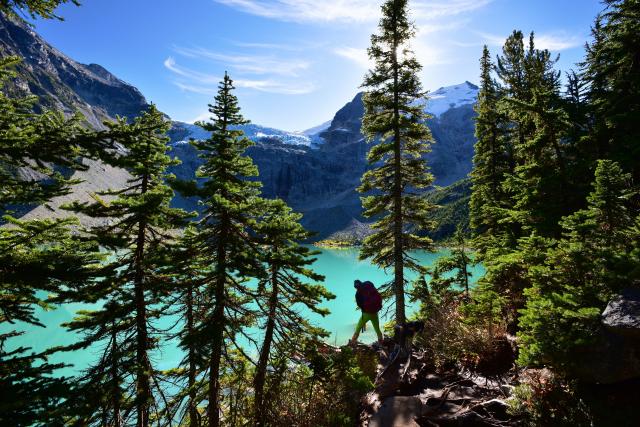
373, 317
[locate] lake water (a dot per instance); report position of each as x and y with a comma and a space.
339, 266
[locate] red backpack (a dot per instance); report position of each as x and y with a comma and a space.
370, 299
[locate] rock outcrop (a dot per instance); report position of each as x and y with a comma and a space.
622, 315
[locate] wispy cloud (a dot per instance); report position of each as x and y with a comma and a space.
431, 10
357, 55
347, 10
309, 10
270, 46
249, 64
552, 41
202, 83
557, 42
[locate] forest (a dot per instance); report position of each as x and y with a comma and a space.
554, 219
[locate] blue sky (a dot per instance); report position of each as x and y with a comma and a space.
295, 62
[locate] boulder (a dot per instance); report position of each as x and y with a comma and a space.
622, 315
615, 355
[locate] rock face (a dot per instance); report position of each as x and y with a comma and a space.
315, 171
63, 83
319, 179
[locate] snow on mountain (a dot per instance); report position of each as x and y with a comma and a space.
183, 132
449, 97
439, 101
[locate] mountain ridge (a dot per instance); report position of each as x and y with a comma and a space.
63, 83
315, 171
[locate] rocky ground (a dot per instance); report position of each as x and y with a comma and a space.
408, 392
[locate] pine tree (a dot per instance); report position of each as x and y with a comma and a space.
452, 272
186, 272
137, 222
37, 256
497, 244
535, 186
579, 275
395, 120
283, 290
490, 162
612, 70
539, 184
231, 202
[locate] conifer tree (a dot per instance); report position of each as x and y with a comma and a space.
490, 162
579, 275
612, 70
539, 184
395, 121
36, 256
186, 272
459, 262
535, 184
230, 196
283, 290
137, 222
510, 68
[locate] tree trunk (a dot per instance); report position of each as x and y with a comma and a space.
217, 340
261, 369
143, 387
193, 407
398, 256
465, 269
115, 383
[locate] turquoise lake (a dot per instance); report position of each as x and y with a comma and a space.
339, 266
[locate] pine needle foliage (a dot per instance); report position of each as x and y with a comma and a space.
136, 222
394, 121
36, 256
290, 285
231, 199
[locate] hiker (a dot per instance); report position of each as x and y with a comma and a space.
370, 302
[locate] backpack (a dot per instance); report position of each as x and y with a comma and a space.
368, 298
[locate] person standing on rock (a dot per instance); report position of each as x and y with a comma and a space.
370, 303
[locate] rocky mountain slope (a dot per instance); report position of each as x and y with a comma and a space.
316, 171
320, 179
62, 83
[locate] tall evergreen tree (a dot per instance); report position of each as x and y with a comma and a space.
612, 69
579, 275
490, 162
36, 256
231, 200
539, 183
283, 290
137, 222
395, 121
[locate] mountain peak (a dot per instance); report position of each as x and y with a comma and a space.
62, 83
447, 97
